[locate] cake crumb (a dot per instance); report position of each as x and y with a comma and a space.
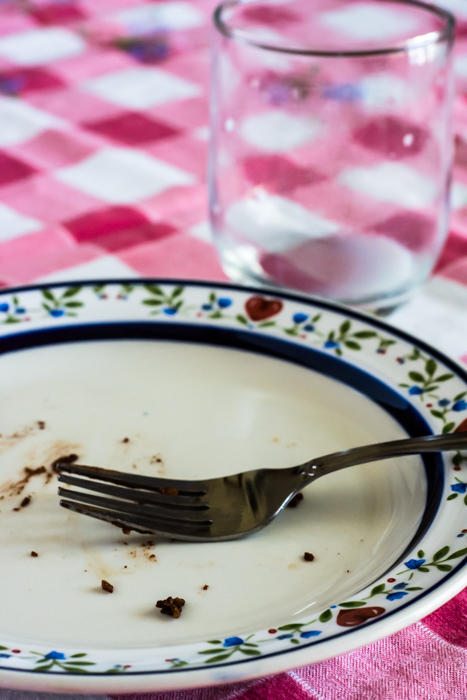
171, 606
205, 587
34, 554
308, 556
106, 586
126, 440
41, 424
295, 500
126, 531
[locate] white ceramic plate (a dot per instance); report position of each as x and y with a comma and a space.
204, 380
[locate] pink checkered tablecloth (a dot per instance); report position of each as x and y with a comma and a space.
103, 132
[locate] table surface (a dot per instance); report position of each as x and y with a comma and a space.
103, 114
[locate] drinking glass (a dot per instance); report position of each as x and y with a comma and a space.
331, 145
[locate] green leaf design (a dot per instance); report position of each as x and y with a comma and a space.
460, 396
80, 663
443, 378
457, 459
70, 292
114, 671
48, 295
43, 669
325, 616
447, 428
339, 352
364, 334
352, 604
294, 641
377, 589
220, 657
420, 554
4, 648
152, 289
345, 327
414, 588
423, 569
74, 669
127, 288
452, 497
431, 366
152, 302
242, 319
215, 641
78, 656
316, 318
443, 567
432, 387
406, 386
441, 553
465, 499
456, 555
212, 297
209, 651
352, 345
265, 324
250, 652
73, 304
287, 628
46, 307
176, 292
98, 288
437, 414
416, 377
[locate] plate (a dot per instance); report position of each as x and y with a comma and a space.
199, 379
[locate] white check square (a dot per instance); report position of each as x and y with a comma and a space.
20, 121
14, 224
122, 175
39, 46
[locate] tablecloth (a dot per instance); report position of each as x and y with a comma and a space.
103, 134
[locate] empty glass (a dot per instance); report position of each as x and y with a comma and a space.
331, 145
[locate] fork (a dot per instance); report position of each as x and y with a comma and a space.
225, 508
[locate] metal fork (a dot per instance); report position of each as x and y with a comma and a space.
225, 508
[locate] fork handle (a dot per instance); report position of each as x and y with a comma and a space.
384, 450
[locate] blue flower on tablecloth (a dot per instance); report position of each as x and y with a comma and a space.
309, 327
400, 586
285, 636
444, 402
396, 596
4, 307
460, 405
300, 318
414, 390
459, 488
331, 344
57, 312
346, 92
414, 563
224, 302
232, 642
170, 310
55, 655
310, 633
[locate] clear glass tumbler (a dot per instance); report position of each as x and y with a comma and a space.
331, 145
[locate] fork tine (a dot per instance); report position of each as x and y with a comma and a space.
135, 509
163, 501
152, 483
137, 524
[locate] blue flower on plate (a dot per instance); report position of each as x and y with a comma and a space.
57, 312
331, 344
4, 307
170, 310
414, 390
444, 402
285, 636
309, 327
224, 302
55, 655
396, 596
232, 641
459, 488
4, 656
299, 318
207, 307
400, 586
414, 563
460, 405
20, 310
310, 633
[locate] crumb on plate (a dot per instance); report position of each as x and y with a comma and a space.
308, 556
171, 606
106, 586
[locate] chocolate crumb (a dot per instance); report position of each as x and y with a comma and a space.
348, 571
168, 491
125, 567
25, 502
205, 587
126, 440
106, 586
126, 531
171, 606
66, 459
34, 554
308, 556
41, 424
295, 500
15, 510
153, 557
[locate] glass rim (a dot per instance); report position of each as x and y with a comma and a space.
416, 42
